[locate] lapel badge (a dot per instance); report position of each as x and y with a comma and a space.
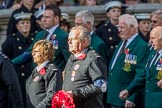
73, 73
53, 37
36, 78
76, 67
72, 79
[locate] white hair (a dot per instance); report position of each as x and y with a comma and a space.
129, 20
86, 15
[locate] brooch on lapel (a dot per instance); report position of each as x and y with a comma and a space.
36, 78
42, 71
73, 74
53, 37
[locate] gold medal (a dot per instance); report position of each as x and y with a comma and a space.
159, 75
127, 67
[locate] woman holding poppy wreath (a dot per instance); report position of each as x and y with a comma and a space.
46, 78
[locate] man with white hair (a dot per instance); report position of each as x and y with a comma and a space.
156, 18
128, 62
85, 18
152, 80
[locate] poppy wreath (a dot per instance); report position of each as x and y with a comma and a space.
61, 99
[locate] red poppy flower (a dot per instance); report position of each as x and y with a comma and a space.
61, 99
126, 51
161, 60
82, 56
42, 71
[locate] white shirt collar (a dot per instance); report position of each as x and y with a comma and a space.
42, 65
51, 30
160, 52
131, 39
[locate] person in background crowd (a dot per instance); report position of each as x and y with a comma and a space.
10, 93
154, 1
132, 2
49, 2
85, 83
6, 4
127, 63
17, 44
85, 18
46, 78
53, 33
144, 25
88, 2
152, 79
64, 22
27, 6
156, 18
39, 19
108, 31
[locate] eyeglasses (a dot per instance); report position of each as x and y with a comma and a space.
152, 21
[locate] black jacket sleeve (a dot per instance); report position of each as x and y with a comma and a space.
10, 81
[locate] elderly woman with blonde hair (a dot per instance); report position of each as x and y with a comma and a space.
46, 78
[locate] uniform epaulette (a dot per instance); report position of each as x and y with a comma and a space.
52, 67
94, 54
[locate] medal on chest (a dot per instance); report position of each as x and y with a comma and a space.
73, 74
54, 41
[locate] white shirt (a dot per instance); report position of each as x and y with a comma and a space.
51, 32
42, 65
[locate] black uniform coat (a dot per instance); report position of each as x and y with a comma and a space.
11, 27
13, 47
145, 38
79, 75
61, 54
109, 34
41, 87
10, 93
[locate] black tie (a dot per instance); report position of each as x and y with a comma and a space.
123, 47
46, 34
155, 59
